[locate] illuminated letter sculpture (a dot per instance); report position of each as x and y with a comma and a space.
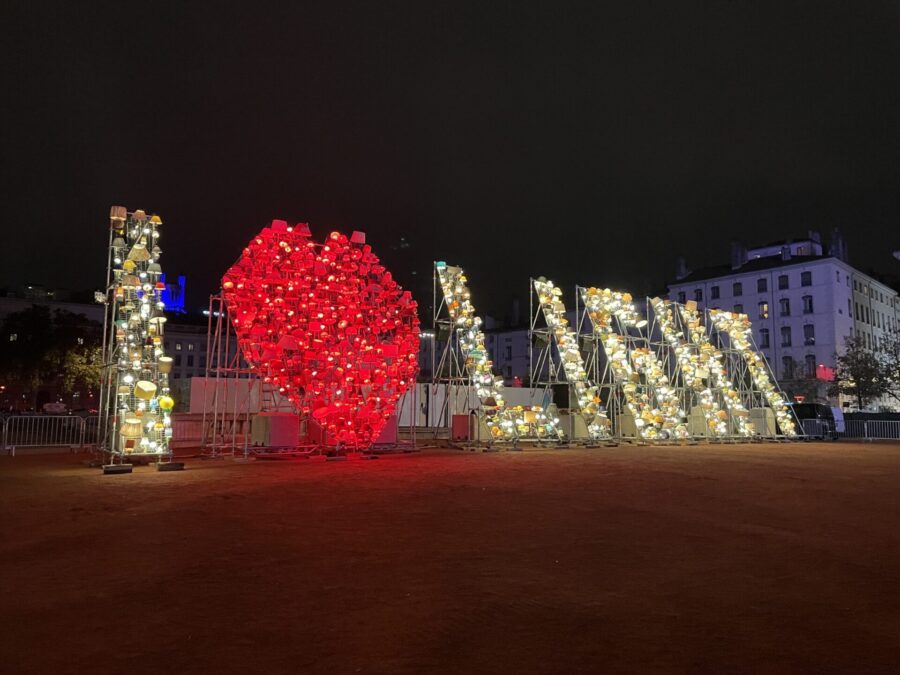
503, 423
652, 401
737, 328
694, 374
714, 362
327, 326
587, 395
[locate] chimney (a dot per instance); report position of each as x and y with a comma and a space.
838, 247
738, 255
681, 269
786, 252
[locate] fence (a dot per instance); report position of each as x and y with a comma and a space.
48, 431
43, 431
72, 431
871, 430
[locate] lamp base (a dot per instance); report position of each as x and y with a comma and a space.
110, 469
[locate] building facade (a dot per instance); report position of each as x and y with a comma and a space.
803, 302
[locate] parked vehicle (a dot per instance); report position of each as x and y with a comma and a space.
816, 419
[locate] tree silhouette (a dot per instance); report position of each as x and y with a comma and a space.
859, 373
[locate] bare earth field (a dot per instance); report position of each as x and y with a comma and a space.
706, 559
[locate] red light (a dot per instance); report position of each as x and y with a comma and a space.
347, 351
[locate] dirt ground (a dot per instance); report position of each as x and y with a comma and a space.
734, 559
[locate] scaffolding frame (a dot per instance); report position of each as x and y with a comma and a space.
448, 368
685, 364
511, 423
632, 391
752, 394
694, 329
226, 429
224, 366
135, 227
548, 367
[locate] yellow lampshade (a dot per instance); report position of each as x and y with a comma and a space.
144, 390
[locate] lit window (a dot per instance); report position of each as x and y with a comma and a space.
190, 346
764, 310
177, 346
13, 337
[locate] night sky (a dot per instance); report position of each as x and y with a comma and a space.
588, 142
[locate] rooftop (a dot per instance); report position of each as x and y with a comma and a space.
752, 265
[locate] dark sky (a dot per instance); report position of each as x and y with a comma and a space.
589, 142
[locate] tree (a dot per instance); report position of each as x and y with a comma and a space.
80, 368
890, 359
40, 349
859, 373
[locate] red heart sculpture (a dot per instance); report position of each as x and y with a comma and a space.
327, 326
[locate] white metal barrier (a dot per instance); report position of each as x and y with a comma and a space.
872, 429
43, 431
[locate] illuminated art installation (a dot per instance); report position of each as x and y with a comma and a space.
737, 328
713, 361
504, 423
652, 401
327, 326
694, 373
136, 405
587, 395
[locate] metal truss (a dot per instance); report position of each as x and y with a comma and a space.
555, 358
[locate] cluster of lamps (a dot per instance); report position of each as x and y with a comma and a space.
143, 401
506, 423
588, 395
737, 327
714, 363
694, 373
654, 405
325, 325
